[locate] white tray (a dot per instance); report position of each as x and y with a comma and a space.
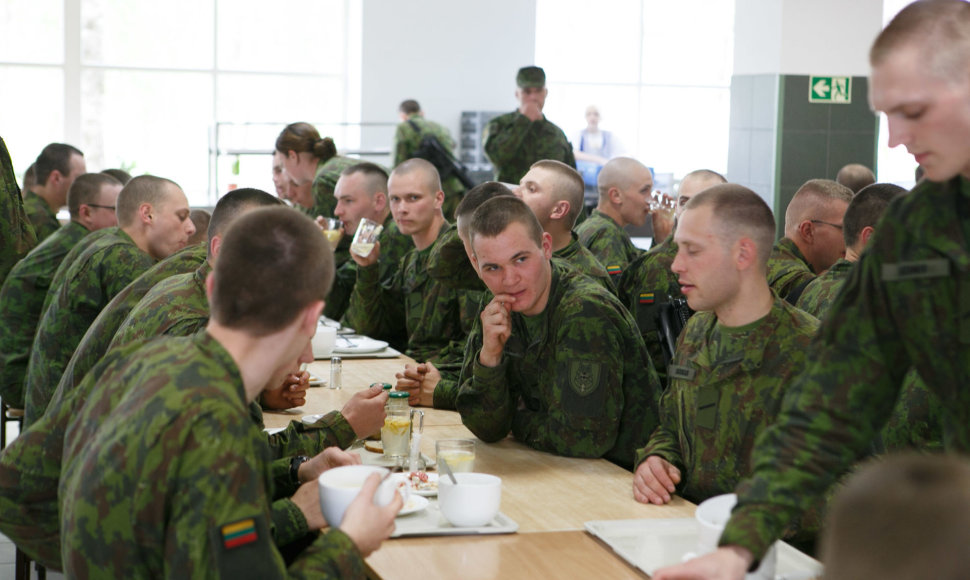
430, 522
387, 352
655, 543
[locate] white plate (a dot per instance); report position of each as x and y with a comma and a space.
274, 430
428, 492
358, 344
317, 381
414, 504
311, 419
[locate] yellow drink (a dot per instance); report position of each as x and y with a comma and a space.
362, 250
459, 460
395, 435
333, 236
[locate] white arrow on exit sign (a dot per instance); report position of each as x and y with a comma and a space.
830, 90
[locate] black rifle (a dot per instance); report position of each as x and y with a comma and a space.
432, 151
672, 317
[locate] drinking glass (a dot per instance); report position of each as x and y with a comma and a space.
365, 237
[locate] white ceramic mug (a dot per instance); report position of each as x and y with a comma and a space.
323, 341
474, 502
712, 515
339, 486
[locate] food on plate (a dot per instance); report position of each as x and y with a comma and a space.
421, 482
374, 446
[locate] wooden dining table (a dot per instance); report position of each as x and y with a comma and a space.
549, 496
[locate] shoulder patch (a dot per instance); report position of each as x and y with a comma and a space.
647, 298
244, 549
933, 268
680, 372
584, 376
614, 270
239, 534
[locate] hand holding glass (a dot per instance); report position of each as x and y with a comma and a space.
333, 229
365, 237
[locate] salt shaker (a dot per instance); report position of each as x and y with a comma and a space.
336, 372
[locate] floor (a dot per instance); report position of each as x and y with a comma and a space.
7, 549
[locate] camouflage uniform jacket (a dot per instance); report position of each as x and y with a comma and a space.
91, 281
413, 300
187, 473
726, 386
647, 283
40, 215
574, 380
609, 242
328, 172
788, 269
905, 303
581, 259
513, 143
916, 421
21, 299
394, 246
407, 140
17, 235
99, 335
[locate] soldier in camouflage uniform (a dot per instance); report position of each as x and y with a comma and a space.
407, 140
734, 358
308, 158
813, 237
554, 193
56, 168
648, 281
193, 392
554, 357
413, 300
514, 141
17, 235
625, 187
147, 232
91, 201
903, 305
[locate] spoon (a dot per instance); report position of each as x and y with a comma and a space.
447, 470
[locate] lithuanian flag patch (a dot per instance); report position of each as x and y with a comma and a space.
646, 298
614, 270
239, 534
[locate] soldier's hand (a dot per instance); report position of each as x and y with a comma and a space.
291, 394
531, 110
496, 329
365, 411
368, 260
307, 498
655, 480
367, 524
327, 459
725, 563
419, 381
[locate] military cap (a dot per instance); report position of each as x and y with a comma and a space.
530, 77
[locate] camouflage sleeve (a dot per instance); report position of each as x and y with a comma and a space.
17, 234
505, 139
289, 523
916, 422
331, 430
829, 415
484, 399
379, 307
332, 555
663, 441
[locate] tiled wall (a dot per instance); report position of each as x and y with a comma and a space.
754, 133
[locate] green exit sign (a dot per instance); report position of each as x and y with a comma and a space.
830, 90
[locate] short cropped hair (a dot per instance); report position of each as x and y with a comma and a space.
142, 189
855, 176
495, 215
86, 189
304, 138
375, 176
904, 517
29, 178
233, 204
705, 175
866, 208
120, 174
569, 186
940, 28
813, 195
56, 156
409, 107
739, 212
432, 179
616, 173
272, 264
475, 197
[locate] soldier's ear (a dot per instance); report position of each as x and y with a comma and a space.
615, 196
746, 253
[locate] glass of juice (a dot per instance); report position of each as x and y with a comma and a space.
459, 453
333, 229
365, 237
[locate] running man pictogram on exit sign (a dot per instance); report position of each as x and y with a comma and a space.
830, 90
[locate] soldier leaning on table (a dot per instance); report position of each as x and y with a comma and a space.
183, 463
554, 357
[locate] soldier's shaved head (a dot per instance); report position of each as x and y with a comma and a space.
234, 204
739, 212
424, 168
618, 173
567, 186
374, 177
813, 198
695, 182
855, 176
495, 215
940, 29
866, 209
474, 198
140, 190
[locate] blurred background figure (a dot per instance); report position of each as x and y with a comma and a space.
593, 147
200, 218
855, 176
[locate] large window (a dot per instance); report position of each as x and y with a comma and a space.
142, 85
659, 72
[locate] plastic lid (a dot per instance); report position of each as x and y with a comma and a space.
399, 394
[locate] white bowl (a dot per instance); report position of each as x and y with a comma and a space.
340, 485
473, 502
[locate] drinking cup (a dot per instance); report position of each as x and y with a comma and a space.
473, 502
323, 341
339, 486
365, 237
459, 453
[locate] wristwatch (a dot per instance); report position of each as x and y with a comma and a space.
295, 464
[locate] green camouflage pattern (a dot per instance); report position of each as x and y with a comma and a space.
513, 143
646, 284
906, 303
916, 422
99, 335
584, 262
179, 460
574, 380
726, 386
394, 246
21, 300
788, 269
820, 292
328, 172
406, 143
608, 242
448, 263
43, 218
17, 235
429, 311
102, 270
